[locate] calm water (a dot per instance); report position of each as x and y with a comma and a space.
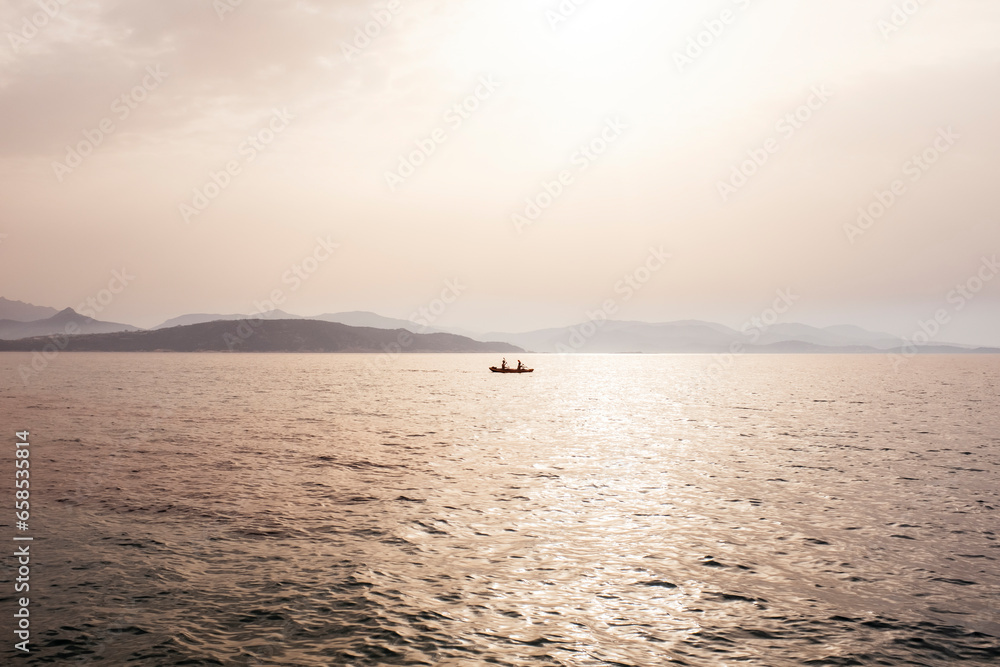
607, 510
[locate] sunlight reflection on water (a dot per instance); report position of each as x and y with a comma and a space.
300, 509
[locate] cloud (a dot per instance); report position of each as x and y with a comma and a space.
223, 73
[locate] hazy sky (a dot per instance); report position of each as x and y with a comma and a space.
116, 115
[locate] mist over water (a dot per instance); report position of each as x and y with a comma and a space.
604, 510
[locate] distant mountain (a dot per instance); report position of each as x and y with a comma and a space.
610, 336
842, 336
268, 336
615, 336
66, 321
199, 318
19, 311
800, 347
356, 318
363, 318
859, 334
692, 336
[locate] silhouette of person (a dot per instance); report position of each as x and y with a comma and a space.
519, 365
503, 364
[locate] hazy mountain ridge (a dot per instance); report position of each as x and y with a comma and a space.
609, 336
355, 318
19, 311
201, 318
364, 318
698, 337
66, 321
266, 336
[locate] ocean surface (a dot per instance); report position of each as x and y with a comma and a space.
285, 509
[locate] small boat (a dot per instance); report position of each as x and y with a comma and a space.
511, 370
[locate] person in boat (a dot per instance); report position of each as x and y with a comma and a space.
503, 364
519, 365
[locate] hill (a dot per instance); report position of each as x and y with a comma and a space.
200, 318
692, 336
19, 311
267, 336
357, 318
363, 318
66, 321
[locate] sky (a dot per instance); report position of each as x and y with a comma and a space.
515, 165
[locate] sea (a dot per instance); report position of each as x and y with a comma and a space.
605, 510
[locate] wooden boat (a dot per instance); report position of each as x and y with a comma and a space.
511, 370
